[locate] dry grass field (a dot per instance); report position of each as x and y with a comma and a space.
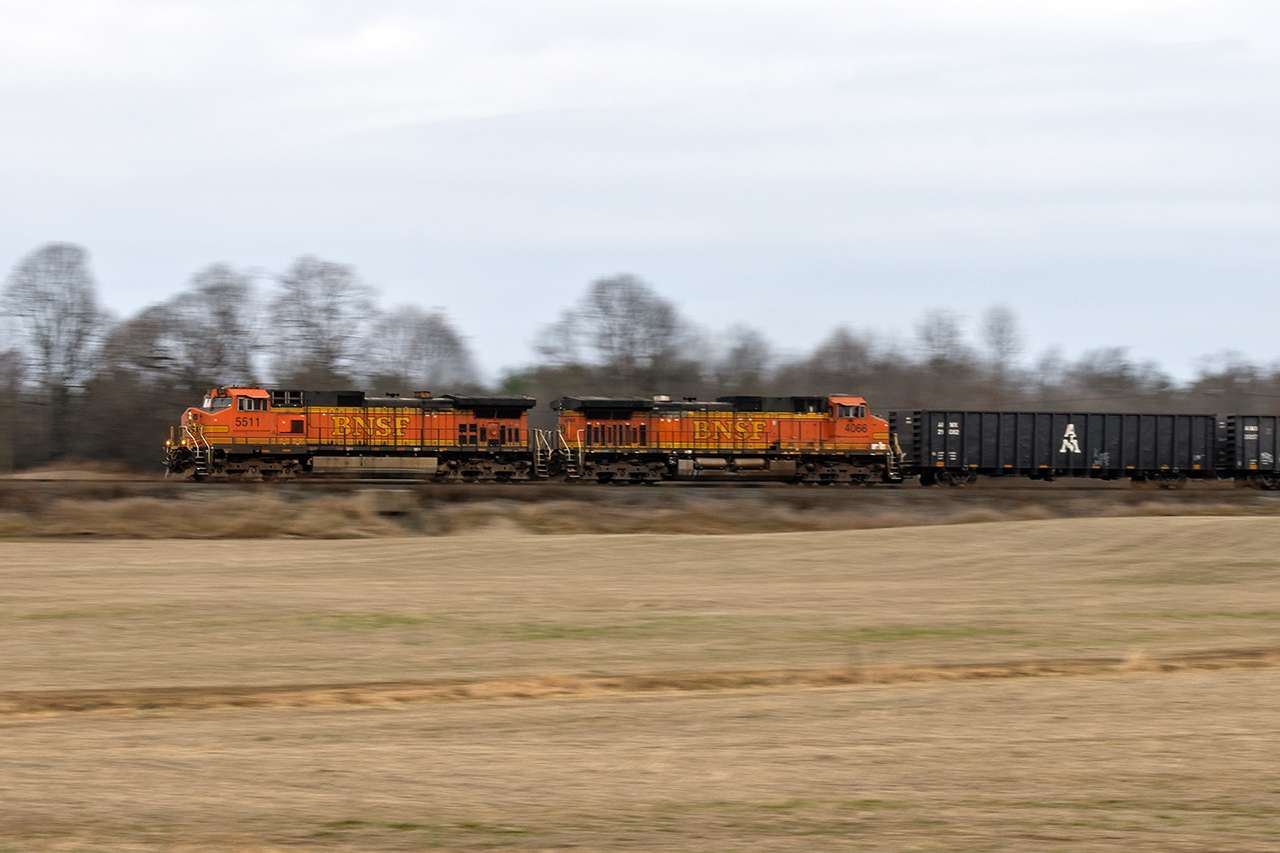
1087, 684
335, 509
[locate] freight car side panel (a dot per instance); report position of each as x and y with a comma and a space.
1254, 443
1057, 443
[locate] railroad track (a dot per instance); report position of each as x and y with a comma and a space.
1217, 487
1067, 498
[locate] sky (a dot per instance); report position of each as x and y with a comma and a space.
1107, 170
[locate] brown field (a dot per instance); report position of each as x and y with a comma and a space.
1086, 684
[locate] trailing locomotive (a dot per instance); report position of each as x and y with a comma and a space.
255, 433
797, 439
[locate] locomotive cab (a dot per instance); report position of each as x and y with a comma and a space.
242, 411
849, 411
224, 416
852, 423
217, 400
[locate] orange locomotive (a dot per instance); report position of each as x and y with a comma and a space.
254, 433
797, 439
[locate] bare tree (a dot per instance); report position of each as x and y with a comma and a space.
845, 356
560, 342
626, 332
745, 363
319, 317
143, 345
52, 298
1108, 374
940, 339
137, 386
214, 328
422, 349
1003, 341
844, 361
10, 382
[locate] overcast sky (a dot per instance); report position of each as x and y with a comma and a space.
1109, 170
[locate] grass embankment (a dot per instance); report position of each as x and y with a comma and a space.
344, 511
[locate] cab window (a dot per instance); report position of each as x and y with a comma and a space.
216, 404
251, 404
851, 411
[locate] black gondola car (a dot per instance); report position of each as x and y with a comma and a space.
953, 447
1250, 449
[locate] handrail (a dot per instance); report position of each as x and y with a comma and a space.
570, 449
543, 447
195, 432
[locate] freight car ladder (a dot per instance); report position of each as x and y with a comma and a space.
1227, 436
893, 462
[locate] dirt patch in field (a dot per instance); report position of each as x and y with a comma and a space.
14, 703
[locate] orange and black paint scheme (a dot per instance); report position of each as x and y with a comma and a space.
832, 439
256, 433
264, 434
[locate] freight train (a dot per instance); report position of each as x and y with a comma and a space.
265, 434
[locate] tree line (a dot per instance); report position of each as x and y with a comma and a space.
77, 381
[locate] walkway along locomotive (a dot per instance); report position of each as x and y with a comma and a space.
256, 433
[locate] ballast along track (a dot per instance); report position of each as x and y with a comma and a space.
269, 434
